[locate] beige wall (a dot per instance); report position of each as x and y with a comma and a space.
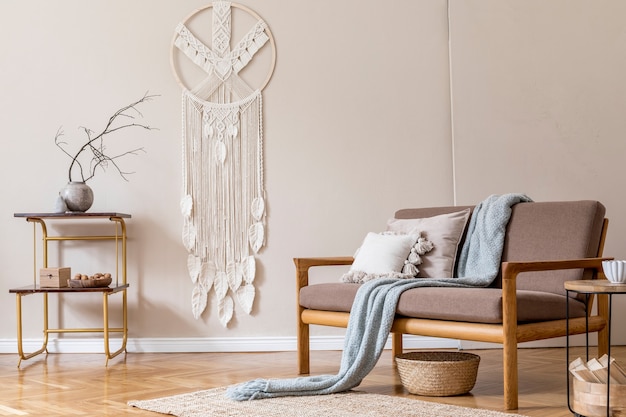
538, 102
357, 124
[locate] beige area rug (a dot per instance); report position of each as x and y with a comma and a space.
213, 403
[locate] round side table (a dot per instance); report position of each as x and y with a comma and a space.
588, 288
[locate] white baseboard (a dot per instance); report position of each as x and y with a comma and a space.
253, 344
225, 344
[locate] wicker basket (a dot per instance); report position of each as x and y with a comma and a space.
438, 374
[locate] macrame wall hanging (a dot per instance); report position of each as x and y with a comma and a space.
223, 203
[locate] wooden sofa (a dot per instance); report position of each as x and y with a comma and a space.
546, 244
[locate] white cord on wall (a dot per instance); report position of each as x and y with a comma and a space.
454, 196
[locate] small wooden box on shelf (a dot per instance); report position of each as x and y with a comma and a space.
54, 277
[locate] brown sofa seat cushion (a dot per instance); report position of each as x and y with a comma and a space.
476, 305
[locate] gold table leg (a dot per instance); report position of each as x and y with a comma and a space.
20, 347
105, 328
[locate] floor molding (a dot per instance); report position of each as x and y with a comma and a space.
212, 344
251, 344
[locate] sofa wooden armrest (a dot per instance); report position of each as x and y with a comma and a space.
511, 268
303, 265
302, 280
513, 333
510, 271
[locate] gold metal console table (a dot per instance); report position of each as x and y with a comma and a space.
119, 285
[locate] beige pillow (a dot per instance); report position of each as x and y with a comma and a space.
445, 232
380, 255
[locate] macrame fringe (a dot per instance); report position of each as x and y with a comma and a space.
222, 144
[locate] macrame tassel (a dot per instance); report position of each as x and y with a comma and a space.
414, 257
410, 269
423, 246
258, 208
256, 236
198, 300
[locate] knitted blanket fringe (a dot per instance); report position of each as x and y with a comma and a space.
374, 307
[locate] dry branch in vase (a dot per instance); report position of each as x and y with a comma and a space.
93, 152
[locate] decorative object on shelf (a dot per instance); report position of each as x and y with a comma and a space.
223, 203
77, 195
59, 204
92, 282
54, 277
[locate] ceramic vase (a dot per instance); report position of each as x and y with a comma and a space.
78, 196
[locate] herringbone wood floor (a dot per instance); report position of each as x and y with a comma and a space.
80, 384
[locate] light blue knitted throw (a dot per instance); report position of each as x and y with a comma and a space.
374, 307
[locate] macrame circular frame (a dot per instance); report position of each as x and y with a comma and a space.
236, 6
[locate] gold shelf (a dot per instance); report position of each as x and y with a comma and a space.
120, 284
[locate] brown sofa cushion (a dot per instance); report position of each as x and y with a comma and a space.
445, 231
477, 305
552, 231
541, 231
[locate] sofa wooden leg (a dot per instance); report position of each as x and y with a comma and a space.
509, 358
303, 348
396, 344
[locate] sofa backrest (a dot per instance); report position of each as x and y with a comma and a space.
552, 231
541, 231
